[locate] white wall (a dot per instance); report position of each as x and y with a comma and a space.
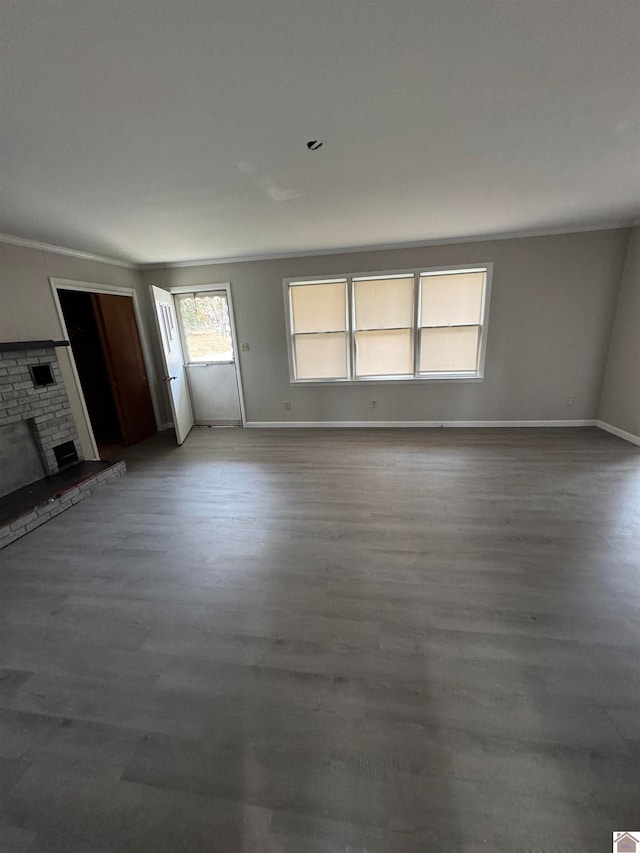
27, 310
620, 399
552, 310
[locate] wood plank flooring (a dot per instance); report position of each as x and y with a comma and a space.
324, 641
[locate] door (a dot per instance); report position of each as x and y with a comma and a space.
210, 358
173, 362
118, 332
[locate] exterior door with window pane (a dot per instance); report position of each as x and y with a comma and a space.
210, 357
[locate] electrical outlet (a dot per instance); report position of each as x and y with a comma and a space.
374, 404
571, 401
244, 347
287, 406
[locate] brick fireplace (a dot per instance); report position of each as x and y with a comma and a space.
32, 390
41, 467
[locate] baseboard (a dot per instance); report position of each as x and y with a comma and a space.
218, 424
165, 427
421, 424
627, 436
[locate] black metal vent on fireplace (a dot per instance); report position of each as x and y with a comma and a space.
66, 454
41, 375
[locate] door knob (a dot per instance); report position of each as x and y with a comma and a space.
169, 378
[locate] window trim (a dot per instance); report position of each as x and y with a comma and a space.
416, 272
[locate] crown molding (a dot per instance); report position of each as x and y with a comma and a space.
308, 253
381, 247
63, 250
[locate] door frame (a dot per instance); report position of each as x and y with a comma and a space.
203, 288
113, 290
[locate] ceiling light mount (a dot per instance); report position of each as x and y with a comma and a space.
314, 144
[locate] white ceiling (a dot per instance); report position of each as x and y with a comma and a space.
168, 131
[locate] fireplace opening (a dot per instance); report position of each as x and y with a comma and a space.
42, 375
66, 454
20, 458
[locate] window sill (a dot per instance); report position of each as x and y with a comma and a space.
408, 381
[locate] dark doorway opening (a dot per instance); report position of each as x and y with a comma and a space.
106, 348
82, 327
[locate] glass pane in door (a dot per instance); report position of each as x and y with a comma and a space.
206, 326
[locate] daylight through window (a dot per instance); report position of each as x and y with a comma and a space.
206, 327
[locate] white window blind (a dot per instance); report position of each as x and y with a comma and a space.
383, 322
419, 324
450, 317
319, 329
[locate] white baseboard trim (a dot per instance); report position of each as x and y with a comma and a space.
425, 424
627, 436
164, 427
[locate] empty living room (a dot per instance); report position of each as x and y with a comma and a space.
319, 426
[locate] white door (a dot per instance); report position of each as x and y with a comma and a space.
173, 361
206, 322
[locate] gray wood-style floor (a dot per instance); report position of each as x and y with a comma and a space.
323, 641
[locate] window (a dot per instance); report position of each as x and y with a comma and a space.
450, 318
206, 327
319, 318
383, 323
421, 324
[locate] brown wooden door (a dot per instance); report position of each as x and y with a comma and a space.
123, 353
